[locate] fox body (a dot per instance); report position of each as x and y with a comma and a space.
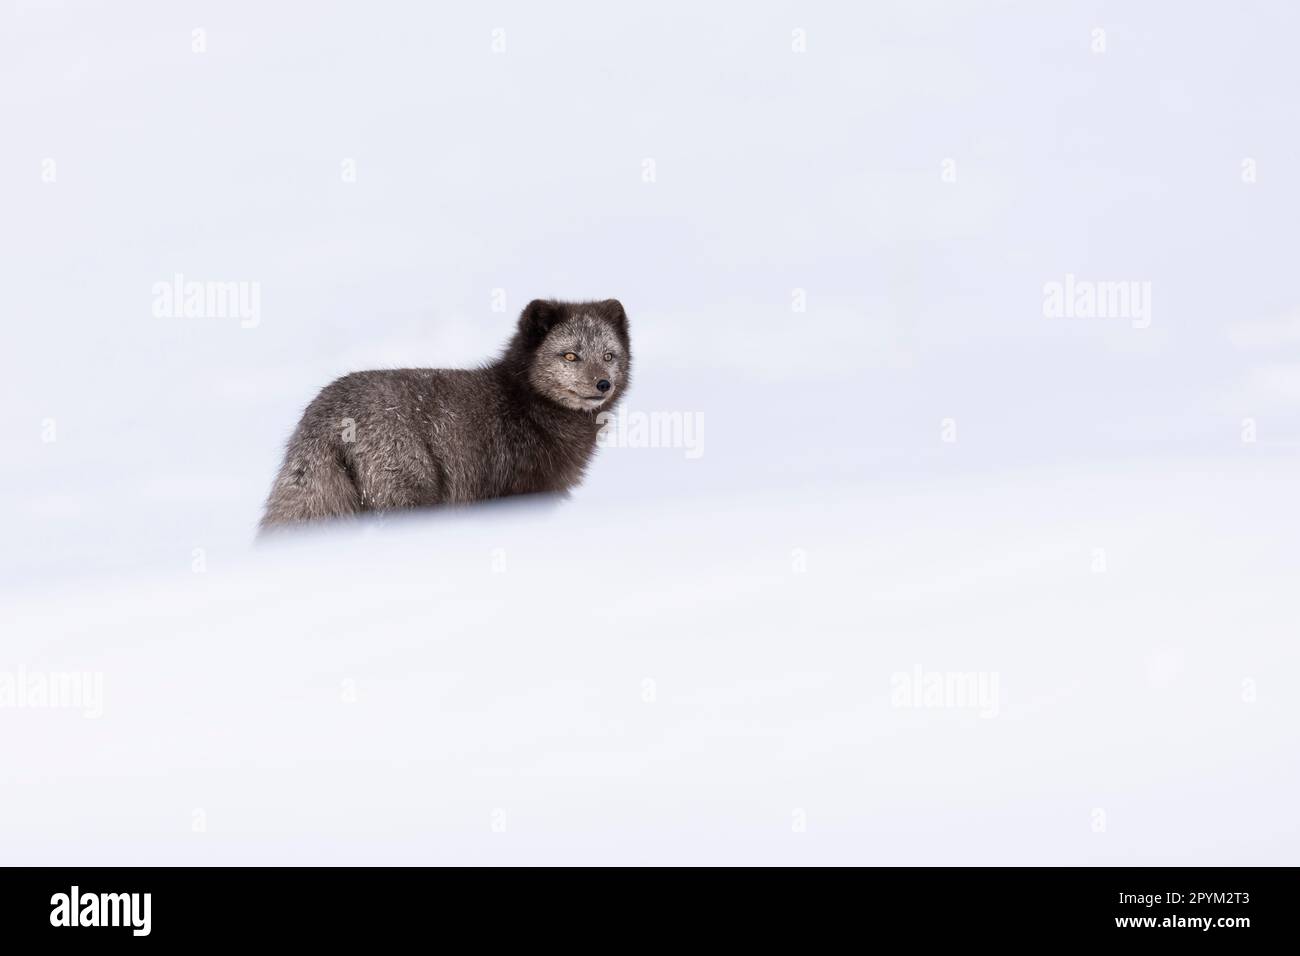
410, 438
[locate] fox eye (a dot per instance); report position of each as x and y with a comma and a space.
609, 356
570, 357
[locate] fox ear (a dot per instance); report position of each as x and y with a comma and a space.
538, 318
614, 311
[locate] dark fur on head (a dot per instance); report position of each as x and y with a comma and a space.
525, 423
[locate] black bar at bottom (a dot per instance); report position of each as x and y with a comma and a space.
624, 907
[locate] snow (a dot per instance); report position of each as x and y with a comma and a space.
708, 654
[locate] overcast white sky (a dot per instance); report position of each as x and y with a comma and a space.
917, 172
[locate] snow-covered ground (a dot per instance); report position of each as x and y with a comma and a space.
925, 574
692, 679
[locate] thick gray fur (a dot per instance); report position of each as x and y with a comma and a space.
412, 438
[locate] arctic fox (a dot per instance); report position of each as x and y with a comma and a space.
409, 438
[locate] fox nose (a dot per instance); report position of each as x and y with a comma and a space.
603, 385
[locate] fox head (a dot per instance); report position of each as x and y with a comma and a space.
577, 354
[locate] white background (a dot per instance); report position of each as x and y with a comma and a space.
384, 695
